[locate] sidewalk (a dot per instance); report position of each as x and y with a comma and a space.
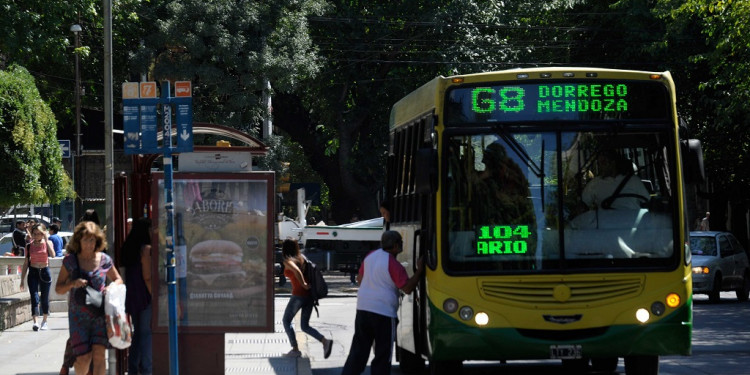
25, 352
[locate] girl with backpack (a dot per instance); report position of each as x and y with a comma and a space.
300, 300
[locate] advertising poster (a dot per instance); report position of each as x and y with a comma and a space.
223, 242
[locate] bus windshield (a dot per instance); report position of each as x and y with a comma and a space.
529, 200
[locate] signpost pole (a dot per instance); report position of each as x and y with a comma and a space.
174, 368
140, 108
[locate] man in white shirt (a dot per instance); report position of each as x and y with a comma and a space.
613, 169
380, 277
704, 222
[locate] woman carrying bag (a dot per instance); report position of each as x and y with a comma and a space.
84, 274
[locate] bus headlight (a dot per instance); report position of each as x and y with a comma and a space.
466, 313
642, 315
482, 318
450, 305
657, 308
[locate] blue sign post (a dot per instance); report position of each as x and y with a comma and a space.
65, 148
142, 109
140, 117
169, 207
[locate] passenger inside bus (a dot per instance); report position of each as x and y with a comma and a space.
501, 194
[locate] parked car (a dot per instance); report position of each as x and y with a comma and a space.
8, 222
6, 242
720, 263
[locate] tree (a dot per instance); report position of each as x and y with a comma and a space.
374, 53
716, 90
32, 159
228, 49
36, 34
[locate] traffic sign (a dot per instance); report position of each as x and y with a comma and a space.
65, 147
184, 124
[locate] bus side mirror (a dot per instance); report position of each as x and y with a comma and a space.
426, 171
692, 161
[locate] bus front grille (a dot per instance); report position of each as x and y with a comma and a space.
561, 292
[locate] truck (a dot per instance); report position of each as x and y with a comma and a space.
331, 247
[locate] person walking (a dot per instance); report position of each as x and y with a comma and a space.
57, 242
294, 264
86, 265
36, 265
704, 223
137, 261
69, 357
380, 278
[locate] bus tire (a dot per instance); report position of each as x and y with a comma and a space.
642, 365
576, 366
409, 362
607, 365
446, 367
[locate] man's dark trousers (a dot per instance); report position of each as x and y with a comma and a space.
369, 327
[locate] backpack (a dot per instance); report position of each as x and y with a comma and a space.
318, 285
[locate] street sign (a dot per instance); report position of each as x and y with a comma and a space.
144, 110
148, 119
130, 90
148, 90
182, 89
143, 107
65, 148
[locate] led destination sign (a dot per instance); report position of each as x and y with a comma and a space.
502, 239
590, 100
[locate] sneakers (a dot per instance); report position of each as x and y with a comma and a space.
44, 326
327, 346
35, 327
293, 354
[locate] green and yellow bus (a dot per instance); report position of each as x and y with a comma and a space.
549, 206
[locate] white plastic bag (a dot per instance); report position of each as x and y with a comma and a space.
119, 328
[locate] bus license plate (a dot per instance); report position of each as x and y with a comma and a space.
565, 351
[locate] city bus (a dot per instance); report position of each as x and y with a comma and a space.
549, 207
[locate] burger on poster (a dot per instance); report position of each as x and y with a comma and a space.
216, 264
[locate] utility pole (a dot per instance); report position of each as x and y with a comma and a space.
76, 29
109, 175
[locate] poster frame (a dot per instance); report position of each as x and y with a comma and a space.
156, 208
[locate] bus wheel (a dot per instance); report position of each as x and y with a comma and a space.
576, 366
409, 362
607, 365
446, 367
642, 365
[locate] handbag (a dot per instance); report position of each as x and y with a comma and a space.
88, 296
94, 298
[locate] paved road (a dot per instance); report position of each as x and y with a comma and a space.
721, 343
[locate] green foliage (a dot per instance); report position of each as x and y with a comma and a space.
376, 52
228, 49
712, 38
32, 160
337, 67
